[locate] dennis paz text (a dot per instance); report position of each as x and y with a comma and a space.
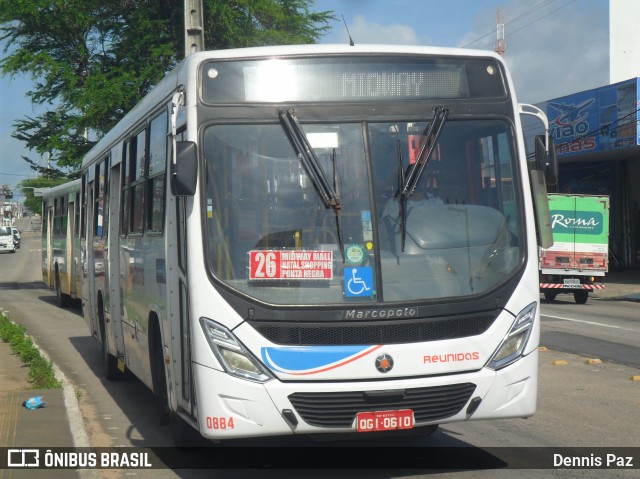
592, 460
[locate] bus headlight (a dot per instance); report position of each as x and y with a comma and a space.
515, 341
234, 357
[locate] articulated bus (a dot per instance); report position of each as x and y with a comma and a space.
320, 239
61, 262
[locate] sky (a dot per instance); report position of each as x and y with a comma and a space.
553, 48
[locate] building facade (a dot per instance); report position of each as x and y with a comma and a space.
597, 136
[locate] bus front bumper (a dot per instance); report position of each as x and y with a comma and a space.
249, 409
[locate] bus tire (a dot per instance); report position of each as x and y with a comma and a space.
62, 300
156, 362
158, 377
426, 431
581, 297
421, 431
109, 362
182, 434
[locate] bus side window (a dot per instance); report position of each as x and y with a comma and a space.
156, 177
125, 207
136, 192
101, 201
83, 216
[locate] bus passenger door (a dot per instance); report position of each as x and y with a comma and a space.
178, 305
116, 339
77, 249
71, 231
48, 272
88, 273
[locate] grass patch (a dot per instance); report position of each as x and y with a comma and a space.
41, 375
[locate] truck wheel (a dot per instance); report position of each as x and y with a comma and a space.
550, 295
581, 297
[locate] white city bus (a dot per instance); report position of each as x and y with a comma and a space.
61, 260
320, 239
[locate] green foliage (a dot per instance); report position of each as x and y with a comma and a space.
9, 331
93, 60
237, 23
34, 203
40, 373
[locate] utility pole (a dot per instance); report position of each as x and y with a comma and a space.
193, 27
501, 44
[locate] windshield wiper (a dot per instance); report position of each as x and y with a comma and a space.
309, 159
335, 188
431, 135
313, 167
408, 187
403, 199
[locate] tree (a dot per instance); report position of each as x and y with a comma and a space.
93, 60
34, 203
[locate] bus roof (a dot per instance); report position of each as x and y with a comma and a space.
64, 188
320, 49
187, 69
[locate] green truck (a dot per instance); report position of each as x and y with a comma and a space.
579, 258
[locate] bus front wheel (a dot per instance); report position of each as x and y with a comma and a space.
182, 434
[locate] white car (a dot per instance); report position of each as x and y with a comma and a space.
6, 240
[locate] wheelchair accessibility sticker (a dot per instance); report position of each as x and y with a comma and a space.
358, 282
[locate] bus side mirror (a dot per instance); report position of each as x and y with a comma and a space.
185, 171
546, 159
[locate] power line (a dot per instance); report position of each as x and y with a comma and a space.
544, 16
522, 15
598, 130
544, 3
15, 174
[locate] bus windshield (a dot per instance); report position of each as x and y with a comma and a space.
270, 235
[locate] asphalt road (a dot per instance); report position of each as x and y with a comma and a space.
605, 329
579, 404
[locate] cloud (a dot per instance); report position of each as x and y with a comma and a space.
570, 56
553, 53
366, 31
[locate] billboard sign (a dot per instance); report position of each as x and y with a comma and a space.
603, 119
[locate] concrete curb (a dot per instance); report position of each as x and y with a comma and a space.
74, 415
76, 422
634, 298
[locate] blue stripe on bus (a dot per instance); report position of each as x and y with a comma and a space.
312, 359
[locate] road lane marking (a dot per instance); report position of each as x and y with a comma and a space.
593, 323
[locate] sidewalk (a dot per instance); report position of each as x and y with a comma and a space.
44, 427
19, 426
24, 428
620, 285
52, 426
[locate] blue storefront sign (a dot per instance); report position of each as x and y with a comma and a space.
603, 119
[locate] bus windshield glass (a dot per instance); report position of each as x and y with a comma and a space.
270, 236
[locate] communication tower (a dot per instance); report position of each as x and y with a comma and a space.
501, 44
